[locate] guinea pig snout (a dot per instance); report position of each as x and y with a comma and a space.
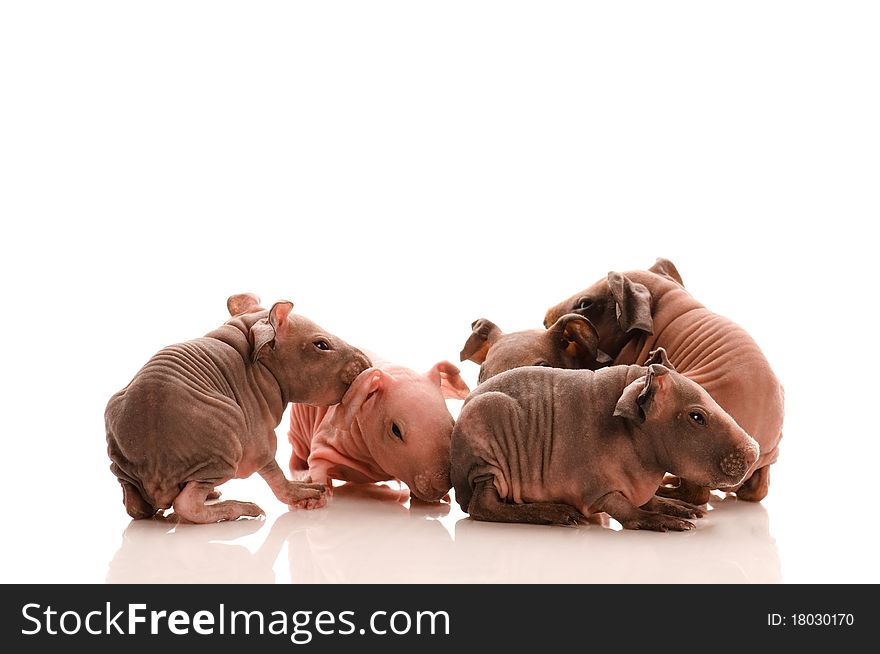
355, 367
735, 464
431, 487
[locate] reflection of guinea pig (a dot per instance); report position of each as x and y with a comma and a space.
368, 536
162, 551
733, 545
743, 550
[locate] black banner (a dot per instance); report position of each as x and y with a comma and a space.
433, 618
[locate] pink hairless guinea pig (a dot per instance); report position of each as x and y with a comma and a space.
391, 424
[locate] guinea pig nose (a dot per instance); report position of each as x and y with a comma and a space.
351, 370
421, 486
362, 360
431, 487
736, 463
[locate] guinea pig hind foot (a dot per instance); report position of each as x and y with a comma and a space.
487, 505
631, 517
190, 506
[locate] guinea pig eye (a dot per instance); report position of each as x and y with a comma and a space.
697, 417
396, 430
321, 344
584, 303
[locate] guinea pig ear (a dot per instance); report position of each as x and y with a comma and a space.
667, 269
263, 332
447, 376
577, 336
633, 303
243, 303
659, 356
485, 332
636, 400
365, 386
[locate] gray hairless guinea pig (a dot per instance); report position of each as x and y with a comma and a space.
205, 411
551, 446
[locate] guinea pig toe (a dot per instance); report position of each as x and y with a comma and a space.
675, 508
685, 510
298, 492
659, 522
563, 515
248, 510
577, 520
696, 512
309, 504
676, 524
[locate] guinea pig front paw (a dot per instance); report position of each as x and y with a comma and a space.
248, 510
675, 508
309, 504
295, 492
685, 492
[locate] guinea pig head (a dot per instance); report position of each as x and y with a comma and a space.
571, 342
311, 365
407, 427
684, 430
620, 305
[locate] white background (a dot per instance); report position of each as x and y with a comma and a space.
399, 169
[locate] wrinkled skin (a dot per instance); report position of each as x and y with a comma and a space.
572, 343
202, 412
550, 446
392, 424
636, 312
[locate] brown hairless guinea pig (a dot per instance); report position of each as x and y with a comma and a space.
571, 342
549, 446
205, 411
638, 311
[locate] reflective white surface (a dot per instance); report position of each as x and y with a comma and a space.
367, 535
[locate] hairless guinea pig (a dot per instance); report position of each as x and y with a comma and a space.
202, 412
571, 342
392, 424
638, 311
549, 446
